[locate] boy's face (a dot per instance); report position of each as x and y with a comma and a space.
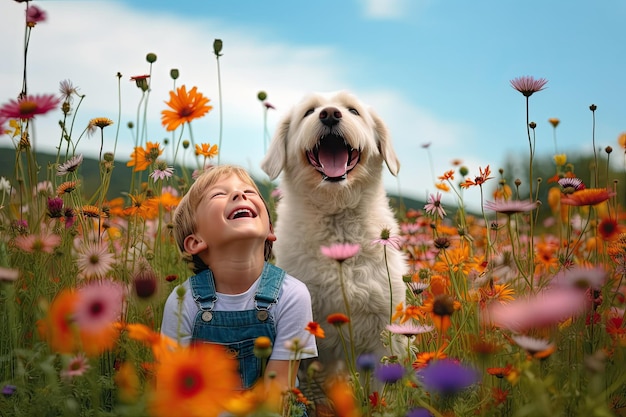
231, 210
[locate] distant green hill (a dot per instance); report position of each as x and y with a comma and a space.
120, 180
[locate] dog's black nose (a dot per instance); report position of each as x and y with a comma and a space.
330, 116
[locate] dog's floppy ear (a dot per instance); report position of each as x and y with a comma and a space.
274, 160
384, 144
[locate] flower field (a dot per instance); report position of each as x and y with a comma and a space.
508, 312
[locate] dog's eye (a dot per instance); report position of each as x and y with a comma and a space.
309, 112
354, 111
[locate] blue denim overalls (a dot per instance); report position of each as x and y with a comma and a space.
237, 330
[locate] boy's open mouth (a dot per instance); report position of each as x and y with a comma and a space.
241, 213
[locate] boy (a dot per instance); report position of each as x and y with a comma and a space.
236, 295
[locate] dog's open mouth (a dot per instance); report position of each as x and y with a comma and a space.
333, 157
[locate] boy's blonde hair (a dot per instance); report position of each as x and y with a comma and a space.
185, 214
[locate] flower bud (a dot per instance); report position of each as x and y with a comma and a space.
532, 125
593, 107
151, 58
463, 171
217, 47
174, 73
262, 95
185, 144
108, 156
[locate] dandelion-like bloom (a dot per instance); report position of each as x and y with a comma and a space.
479, 180
366, 362
528, 85
315, 329
77, 366
434, 207
206, 150
587, 197
42, 242
29, 106
337, 319
580, 278
35, 15
5, 185
67, 90
55, 207
389, 373
186, 106
194, 390
70, 165
541, 310
142, 158
510, 207
447, 377
100, 122
341, 251
409, 329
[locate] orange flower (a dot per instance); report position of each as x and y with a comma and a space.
479, 180
58, 328
127, 382
194, 390
441, 308
442, 186
206, 150
342, 397
500, 372
159, 343
337, 319
609, 229
587, 197
185, 107
142, 206
423, 358
315, 329
448, 175
142, 158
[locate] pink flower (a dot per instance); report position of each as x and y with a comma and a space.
341, 251
8, 274
549, 307
43, 242
434, 207
409, 329
94, 259
35, 15
509, 207
528, 85
29, 106
99, 305
77, 366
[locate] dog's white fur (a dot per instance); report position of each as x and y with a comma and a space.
314, 212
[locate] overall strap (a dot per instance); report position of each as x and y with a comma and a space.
203, 290
269, 287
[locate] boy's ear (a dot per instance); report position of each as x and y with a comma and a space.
271, 236
193, 245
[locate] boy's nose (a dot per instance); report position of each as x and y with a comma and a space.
239, 194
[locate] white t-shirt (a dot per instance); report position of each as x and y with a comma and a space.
291, 314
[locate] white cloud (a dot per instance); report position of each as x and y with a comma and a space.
89, 42
386, 9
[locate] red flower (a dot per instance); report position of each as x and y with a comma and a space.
337, 319
315, 329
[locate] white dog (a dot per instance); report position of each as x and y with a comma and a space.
331, 150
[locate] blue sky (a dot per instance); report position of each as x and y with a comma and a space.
437, 72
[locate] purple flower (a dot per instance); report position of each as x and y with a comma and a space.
8, 390
55, 207
447, 377
366, 362
570, 184
389, 373
419, 412
528, 85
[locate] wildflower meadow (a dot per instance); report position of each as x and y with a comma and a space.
514, 310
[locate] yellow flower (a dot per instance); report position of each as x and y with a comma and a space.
186, 106
560, 159
101, 122
206, 150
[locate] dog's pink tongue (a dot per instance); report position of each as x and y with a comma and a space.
334, 163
